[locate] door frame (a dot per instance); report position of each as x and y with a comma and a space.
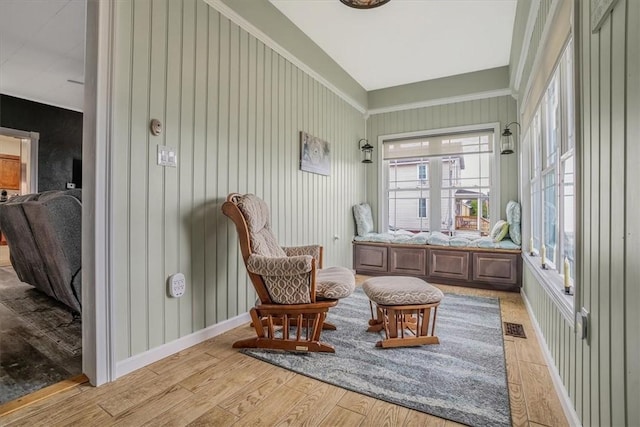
32, 140
98, 320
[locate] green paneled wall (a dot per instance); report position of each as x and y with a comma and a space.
233, 108
602, 375
500, 109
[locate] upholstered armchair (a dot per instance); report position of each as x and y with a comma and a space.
294, 292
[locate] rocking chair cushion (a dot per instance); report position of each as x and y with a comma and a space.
287, 279
334, 283
256, 214
313, 250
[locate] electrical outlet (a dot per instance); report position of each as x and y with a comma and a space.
177, 285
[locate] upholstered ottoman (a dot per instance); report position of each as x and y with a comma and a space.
403, 310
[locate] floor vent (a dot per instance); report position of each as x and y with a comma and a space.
514, 329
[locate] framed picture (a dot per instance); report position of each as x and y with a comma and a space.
314, 155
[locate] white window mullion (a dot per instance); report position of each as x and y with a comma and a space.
435, 174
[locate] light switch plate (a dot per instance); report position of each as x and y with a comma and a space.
167, 156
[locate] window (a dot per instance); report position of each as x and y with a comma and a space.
422, 208
445, 178
551, 141
422, 173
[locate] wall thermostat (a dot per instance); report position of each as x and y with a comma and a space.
177, 285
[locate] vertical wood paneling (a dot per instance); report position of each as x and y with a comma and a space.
604, 372
499, 109
156, 190
631, 291
185, 156
604, 365
171, 136
121, 132
211, 168
198, 214
618, 202
233, 108
138, 196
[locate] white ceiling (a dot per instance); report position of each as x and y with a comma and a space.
406, 41
41, 48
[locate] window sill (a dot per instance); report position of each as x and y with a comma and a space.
551, 283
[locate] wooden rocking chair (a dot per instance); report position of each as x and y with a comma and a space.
294, 293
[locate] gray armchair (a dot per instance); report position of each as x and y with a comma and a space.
43, 232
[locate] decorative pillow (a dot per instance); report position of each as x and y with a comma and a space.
459, 242
500, 230
484, 242
514, 218
515, 234
364, 219
513, 212
439, 239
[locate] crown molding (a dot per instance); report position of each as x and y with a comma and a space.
528, 34
442, 101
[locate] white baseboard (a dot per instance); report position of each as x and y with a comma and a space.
565, 400
141, 360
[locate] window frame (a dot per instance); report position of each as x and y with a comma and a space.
552, 277
383, 172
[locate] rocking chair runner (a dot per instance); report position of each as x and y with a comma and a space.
293, 289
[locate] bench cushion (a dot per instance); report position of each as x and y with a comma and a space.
390, 290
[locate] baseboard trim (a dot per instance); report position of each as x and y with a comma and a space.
141, 360
565, 400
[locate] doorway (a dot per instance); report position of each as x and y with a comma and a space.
40, 337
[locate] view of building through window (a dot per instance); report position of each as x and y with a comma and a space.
448, 193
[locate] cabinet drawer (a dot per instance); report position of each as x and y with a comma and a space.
370, 258
448, 264
495, 268
408, 261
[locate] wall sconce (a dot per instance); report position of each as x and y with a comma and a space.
367, 149
507, 144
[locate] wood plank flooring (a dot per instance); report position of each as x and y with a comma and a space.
212, 384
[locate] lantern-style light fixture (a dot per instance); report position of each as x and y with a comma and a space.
367, 149
507, 145
364, 4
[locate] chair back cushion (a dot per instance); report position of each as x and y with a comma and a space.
256, 214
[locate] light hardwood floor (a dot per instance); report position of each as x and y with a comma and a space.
212, 384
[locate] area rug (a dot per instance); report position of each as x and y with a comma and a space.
462, 379
40, 339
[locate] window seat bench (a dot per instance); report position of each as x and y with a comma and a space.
488, 268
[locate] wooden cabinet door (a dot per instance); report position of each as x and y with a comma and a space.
9, 172
411, 261
370, 258
448, 264
496, 268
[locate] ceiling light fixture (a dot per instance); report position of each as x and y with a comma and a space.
364, 4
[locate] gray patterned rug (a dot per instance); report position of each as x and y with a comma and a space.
462, 379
